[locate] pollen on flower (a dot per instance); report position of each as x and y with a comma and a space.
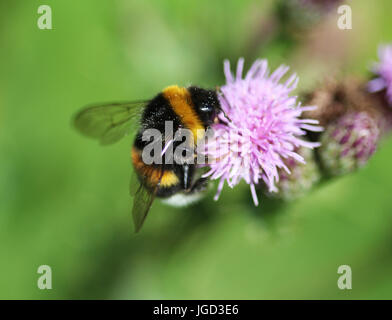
259, 127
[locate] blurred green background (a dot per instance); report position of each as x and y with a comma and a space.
64, 200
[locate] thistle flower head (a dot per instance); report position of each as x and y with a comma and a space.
349, 142
384, 71
258, 128
350, 95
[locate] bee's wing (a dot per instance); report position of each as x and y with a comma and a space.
109, 122
142, 200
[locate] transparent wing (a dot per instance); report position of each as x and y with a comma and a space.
110, 122
142, 200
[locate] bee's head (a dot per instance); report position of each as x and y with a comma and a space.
206, 104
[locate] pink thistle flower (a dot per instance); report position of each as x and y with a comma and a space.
258, 128
384, 70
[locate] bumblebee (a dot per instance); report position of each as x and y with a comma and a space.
178, 182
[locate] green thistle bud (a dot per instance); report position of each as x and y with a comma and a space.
302, 176
349, 142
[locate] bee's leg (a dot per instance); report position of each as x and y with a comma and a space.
186, 176
188, 173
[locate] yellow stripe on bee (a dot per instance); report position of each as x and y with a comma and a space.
151, 174
169, 179
181, 102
